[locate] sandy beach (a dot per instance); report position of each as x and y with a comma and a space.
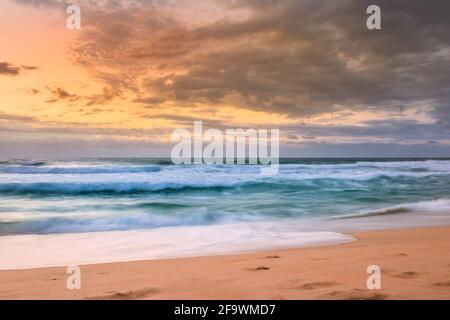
414, 263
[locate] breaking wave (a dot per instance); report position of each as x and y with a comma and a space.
439, 205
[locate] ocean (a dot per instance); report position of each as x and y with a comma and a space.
185, 210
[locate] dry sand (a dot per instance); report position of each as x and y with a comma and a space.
415, 264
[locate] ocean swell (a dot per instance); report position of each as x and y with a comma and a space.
439, 205
127, 194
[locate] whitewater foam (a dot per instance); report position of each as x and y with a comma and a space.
35, 251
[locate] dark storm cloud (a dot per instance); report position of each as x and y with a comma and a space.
302, 57
288, 56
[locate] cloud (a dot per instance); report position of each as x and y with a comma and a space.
13, 117
59, 94
189, 120
8, 69
29, 67
292, 57
298, 58
57, 147
44, 3
107, 95
402, 131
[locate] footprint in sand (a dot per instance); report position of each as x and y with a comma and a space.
407, 275
317, 285
442, 284
261, 268
356, 294
128, 295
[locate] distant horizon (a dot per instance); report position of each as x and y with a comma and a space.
281, 158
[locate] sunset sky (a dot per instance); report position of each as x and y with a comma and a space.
137, 70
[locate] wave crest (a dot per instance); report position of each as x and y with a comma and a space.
440, 205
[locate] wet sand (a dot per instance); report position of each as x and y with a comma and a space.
415, 264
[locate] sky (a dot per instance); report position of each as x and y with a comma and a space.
136, 70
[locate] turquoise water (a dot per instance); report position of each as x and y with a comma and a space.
65, 196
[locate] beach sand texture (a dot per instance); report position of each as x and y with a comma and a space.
415, 264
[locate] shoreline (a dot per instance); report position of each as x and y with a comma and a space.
414, 265
31, 251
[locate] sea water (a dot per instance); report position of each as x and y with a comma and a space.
125, 209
